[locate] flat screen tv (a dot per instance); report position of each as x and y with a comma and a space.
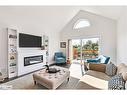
26, 40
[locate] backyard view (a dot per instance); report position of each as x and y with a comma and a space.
85, 48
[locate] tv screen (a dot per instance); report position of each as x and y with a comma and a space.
26, 40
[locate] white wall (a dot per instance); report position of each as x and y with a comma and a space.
102, 27
122, 37
27, 20
3, 50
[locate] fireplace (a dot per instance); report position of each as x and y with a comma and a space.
33, 60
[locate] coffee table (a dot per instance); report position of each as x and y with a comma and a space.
51, 80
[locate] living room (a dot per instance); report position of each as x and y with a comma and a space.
56, 23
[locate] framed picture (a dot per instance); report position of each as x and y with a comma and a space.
62, 44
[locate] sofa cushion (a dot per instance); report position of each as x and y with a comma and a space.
111, 69
97, 67
94, 80
83, 85
116, 83
99, 75
122, 69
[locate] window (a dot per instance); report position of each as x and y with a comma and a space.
81, 23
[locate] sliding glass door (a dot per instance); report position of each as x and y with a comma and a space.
76, 50
90, 48
82, 49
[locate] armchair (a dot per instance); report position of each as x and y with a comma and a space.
1, 77
100, 59
59, 58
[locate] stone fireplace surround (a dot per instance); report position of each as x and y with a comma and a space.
25, 53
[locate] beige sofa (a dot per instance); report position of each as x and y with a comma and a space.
96, 78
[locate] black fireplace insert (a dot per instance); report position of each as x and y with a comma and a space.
33, 60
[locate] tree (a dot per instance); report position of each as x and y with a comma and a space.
91, 47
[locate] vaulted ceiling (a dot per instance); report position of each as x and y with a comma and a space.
55, 16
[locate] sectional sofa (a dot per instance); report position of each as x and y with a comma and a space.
96, 77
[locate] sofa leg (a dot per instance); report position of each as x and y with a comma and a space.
68, 79
35, 82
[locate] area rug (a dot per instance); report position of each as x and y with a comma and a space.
26, 82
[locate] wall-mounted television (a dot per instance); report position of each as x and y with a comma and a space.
26, 40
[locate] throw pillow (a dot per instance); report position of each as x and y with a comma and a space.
122, 68
124, 74
97, 67
102, 59
116, 83
111, 69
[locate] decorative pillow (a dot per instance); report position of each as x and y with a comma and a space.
122, 68
111, 69
97, 67
116, 83
107, 60
102, 59
124, 74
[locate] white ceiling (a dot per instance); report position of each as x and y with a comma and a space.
55, 16
112, 12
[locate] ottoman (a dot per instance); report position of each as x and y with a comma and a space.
51, 80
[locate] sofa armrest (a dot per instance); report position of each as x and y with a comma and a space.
55, 57
97, 67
